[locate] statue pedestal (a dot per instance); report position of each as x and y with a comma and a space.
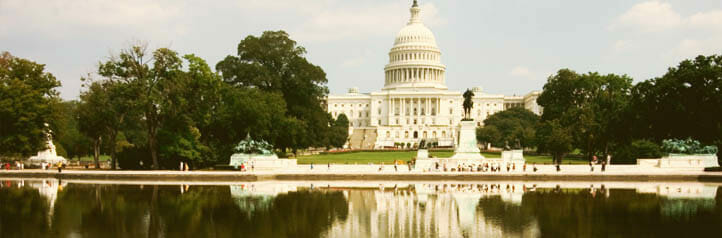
261, 161
466, 145
422, 154
512, 155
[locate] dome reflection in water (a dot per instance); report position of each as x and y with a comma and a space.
51, 208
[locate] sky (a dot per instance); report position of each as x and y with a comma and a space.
506, 47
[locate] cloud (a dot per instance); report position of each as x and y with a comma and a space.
343, 21
649, 16
706, 20
58, 15
657, 24
521, 71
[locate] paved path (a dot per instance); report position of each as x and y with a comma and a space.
371, 172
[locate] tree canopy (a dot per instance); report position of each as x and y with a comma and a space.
510, 126
274, 63
27, 96
591, 105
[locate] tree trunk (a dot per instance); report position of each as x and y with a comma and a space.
154, 223
112, 149
153, 152
96, 152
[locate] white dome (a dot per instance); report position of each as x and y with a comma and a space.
415, 59
415, 34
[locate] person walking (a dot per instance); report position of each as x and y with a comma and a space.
60, 167
591, 166
311, 166
604, 165
609, 159
180, 167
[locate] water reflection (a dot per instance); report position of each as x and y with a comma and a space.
52, 208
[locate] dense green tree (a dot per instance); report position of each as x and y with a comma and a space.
275, 63
591, 105
94, 114
67, 132
339, 131
152, 79
515, 124
489, 134
684, 102
555, 139
27, 95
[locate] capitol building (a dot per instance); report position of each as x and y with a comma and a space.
415, 103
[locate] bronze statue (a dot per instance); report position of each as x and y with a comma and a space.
468, 103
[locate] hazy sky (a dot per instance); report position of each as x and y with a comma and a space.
507, 47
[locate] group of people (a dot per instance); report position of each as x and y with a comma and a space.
483, 167
18, 165
245, 168
603, 162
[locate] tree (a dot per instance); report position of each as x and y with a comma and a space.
489, 134
555, 139
151, 84
515, 124
591, 104
274, 63
27, 95
94, 114
339, 131
684, 102
67, 133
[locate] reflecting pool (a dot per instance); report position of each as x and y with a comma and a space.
53, 208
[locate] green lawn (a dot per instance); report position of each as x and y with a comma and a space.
389, 157
90, 158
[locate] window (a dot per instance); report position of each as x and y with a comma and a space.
379, 122
388, 134
414, 121
359, 114
341, 105
451, 111
425, 135
433, 134
379, 111
335, 105
443, 134
406, 134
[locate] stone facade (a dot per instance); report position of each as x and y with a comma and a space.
415, 103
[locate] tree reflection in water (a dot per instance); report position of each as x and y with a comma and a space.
162, 211
91, 210
624, 213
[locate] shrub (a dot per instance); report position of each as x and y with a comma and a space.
629, 154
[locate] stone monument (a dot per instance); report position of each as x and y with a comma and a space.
687, 153
48, 155
258, 154
466, 147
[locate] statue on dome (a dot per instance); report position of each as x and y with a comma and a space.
468, 104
